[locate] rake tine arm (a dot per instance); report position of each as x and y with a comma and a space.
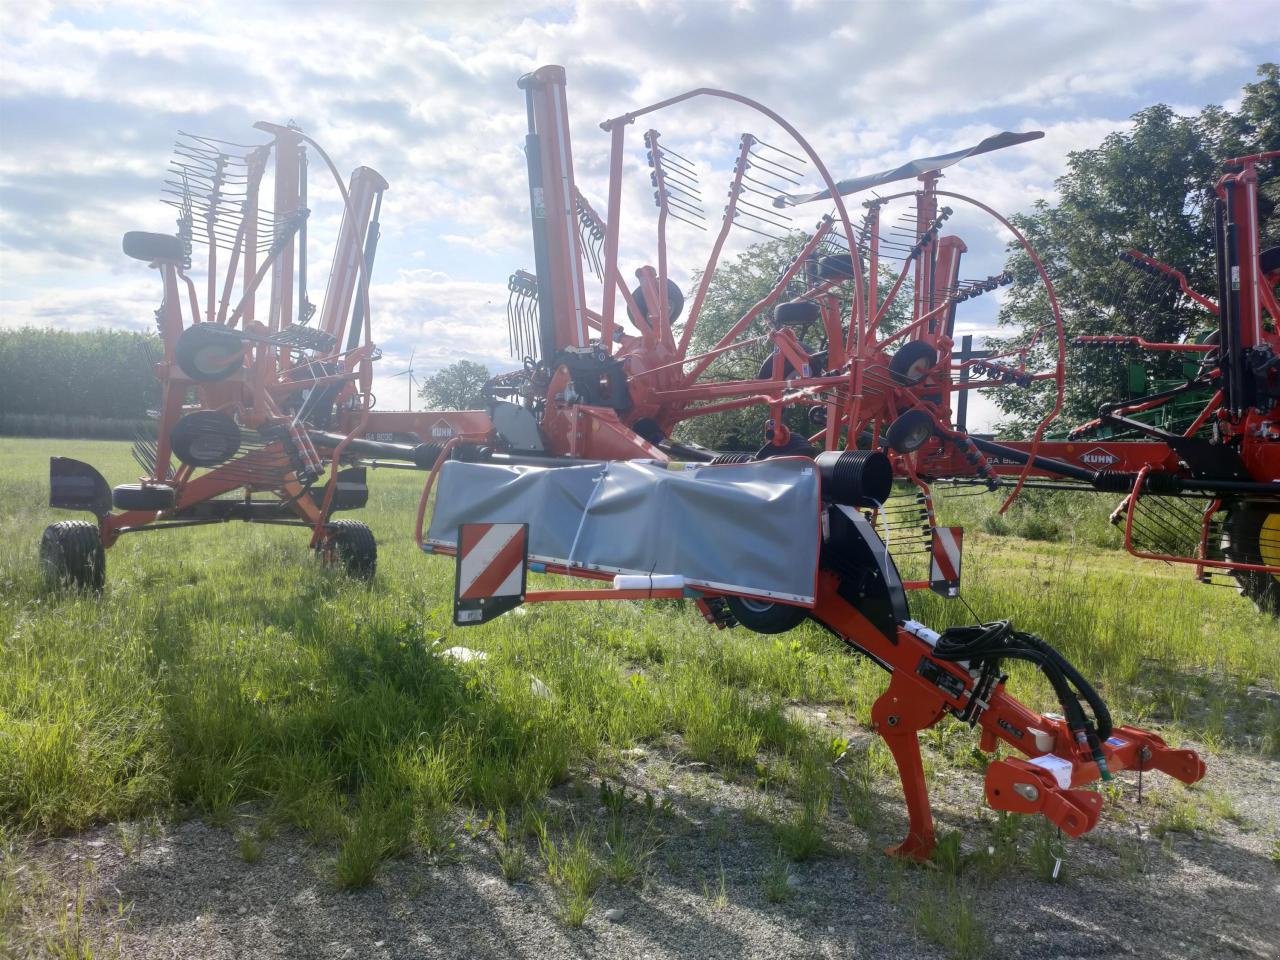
823, 229
726, 224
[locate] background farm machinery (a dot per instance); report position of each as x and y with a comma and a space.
1197, 460
279, 405
265, 404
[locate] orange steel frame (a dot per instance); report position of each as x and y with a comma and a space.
916, 699
270, 370
664, 385
663, 379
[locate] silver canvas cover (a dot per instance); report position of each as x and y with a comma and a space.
749, 528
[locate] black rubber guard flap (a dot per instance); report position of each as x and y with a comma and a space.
869, 580
77, 486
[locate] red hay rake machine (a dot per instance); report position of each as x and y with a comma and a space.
578, 474
266, 402
1207, 495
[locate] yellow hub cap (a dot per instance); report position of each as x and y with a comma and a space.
1269, 541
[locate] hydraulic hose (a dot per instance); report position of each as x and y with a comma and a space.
988, 643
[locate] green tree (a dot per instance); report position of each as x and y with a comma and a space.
459, 386
1149, 188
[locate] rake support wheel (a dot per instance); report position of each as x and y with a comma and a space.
137, 496
208, 352
1252, 535
910, 431
71, 555
351, 544
761, 616
912, 362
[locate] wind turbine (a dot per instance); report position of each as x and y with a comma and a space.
413, 381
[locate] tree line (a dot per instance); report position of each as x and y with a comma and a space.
76, 383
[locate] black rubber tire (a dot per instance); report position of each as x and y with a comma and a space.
760, 616
71, 555
208, 352
1241, 541
817, 363
675, 304
134, 496
838, 266
796, 313
912, 362
205, 438
353, 546
153, 247
910, 431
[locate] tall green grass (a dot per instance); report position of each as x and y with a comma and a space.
223, 666
1061, 516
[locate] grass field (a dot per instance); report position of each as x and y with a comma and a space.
223, 665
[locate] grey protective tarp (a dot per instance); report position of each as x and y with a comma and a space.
744, 528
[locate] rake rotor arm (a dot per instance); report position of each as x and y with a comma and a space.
617, 125
1126, 340
726, 224
1142, 261
738, 328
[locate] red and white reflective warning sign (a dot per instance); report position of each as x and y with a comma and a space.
490, 571
944, 566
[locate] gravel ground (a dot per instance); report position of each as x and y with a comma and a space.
184, 890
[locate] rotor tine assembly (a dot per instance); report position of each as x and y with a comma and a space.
767, 171
522, 315
591, 232
676, 191
143, 450
209, 183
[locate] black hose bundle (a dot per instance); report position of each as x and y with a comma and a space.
986, 644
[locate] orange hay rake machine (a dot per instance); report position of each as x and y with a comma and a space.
266, 399
592, 386
579, 475
574, 467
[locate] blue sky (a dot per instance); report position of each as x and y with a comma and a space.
93, 94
